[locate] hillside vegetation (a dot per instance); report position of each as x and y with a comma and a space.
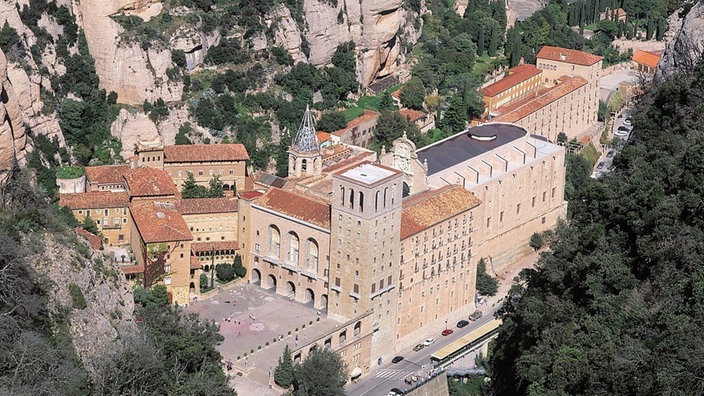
617, 306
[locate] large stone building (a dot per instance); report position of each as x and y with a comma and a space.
560, 95
389, 248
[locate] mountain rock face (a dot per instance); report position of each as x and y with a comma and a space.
105, 320
686, 50
124, 67
377, 27
12, 134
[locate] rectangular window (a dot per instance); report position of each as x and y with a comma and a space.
389, 280
200, 173
518, 209
501, 216
553, 193
167, 268
256, 247
533, 202
488, 222
356, 288
337, 281
167, 280
381, 284
373, 288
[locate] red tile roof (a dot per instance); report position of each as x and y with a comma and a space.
568, 55
205, 153
195, 263
132, 269
323, 137
207, 247
250, 194
413, 115
396, 94
367, 116
520, 109
95, 200
421, 211
160, 222
95, 241
106, 174
146, 182
646, 58
516, 76
207, 205
297, 205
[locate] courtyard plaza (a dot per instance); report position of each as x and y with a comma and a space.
249, 317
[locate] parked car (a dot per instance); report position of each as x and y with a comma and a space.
462, 323
622, 132
447, 332
418, 347
429, 341
475, 315
610, 154
601, 165
396, 359
628, 121
395, 392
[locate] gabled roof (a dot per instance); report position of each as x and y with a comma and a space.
424, 210
95, 241
160, 222
519, 110
207, 205
106, 174
250, 194
568, 55
646, 58
367, 116
323, 137
516, 76
95, 200
413, 115
296, 205
146, 182
205, 153
271, 180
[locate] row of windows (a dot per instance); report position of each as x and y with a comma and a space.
353, 200
105, 212
201, 172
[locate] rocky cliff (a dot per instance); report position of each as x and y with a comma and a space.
98, 325
379, 28
12, 135
685, 51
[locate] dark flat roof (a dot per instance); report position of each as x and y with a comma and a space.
461, 147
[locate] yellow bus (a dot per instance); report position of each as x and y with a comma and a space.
466, 342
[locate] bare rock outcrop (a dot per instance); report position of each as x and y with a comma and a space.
104, 322
124, 67
372, 25
130, 127
685, 51
12, 135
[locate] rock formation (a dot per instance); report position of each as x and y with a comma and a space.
373, 25
686, 50
124, 67
12, 134
106, 321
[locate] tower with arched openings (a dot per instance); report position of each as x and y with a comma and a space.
304, 157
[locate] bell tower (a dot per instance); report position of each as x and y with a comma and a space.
304, 158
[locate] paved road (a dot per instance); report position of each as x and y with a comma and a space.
392, 375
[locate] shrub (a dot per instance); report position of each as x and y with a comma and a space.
225, 272
79, 301
536, 241
203, 282
486, 284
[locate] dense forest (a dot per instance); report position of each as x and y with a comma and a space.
616, 307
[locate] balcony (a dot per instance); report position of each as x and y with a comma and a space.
112, 226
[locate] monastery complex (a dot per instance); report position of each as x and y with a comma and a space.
387, 244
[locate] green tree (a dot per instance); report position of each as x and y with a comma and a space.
182, 135
487, 285
239, 268
192, 190
454, 119
8, 37
390, 126
225, 272
89, 225
204, 283
215, 188
331, 121
536, 241
413, 94
323, 372
344, 57
284, 372
386, 102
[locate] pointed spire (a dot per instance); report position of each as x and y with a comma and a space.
306, 140
405, 137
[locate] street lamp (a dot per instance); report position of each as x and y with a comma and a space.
445, 324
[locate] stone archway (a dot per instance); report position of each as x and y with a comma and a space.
309, 298
192, 287
256, 277
324, 302
270, 282
290, 291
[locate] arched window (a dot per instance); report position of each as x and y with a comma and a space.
361, 201
386, 190
351, 198
393, 193
274, 241
312, 255
304, 165
342, 196
376, 201
293, 247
